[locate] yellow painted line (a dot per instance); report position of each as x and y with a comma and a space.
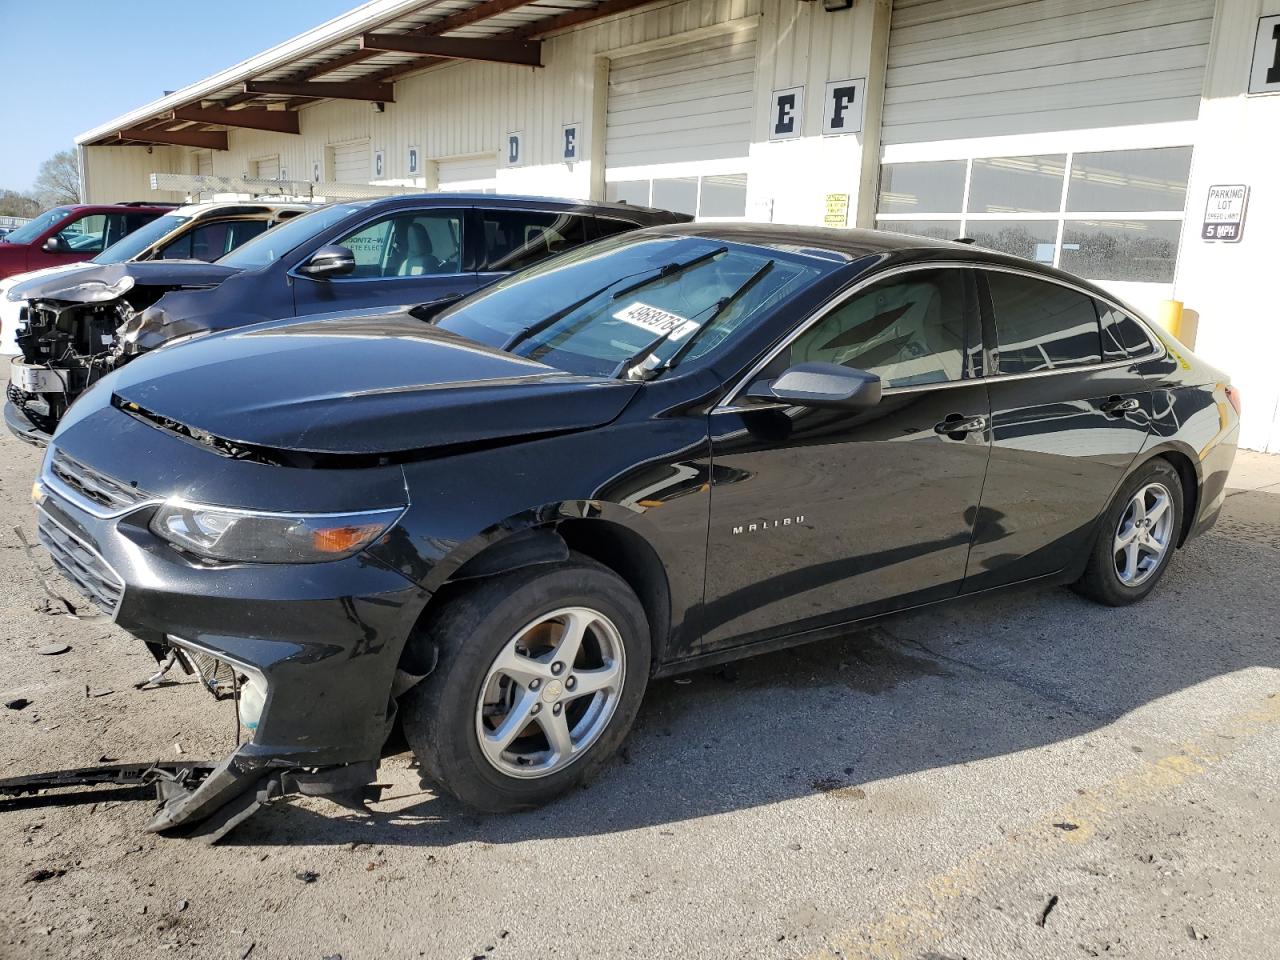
913, 925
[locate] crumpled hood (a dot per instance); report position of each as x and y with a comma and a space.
361, 385
167, 273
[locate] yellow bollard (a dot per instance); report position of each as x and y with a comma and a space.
1169, 316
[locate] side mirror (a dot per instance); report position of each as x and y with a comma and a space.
820, 385
331, 260
54, 244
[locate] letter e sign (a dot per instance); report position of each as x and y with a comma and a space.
569, 143
786, 121
1264, 75
842, 111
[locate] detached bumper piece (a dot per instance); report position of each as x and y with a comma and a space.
206, 800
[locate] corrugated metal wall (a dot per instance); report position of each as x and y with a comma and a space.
978, 68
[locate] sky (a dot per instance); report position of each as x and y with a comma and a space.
68, 65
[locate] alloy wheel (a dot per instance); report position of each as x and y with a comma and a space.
1144, 534
551, 692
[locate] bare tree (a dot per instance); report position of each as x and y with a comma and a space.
58, 180
14, 204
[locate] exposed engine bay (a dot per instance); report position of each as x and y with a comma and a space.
75, 330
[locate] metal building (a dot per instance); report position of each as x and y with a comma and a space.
1136, 143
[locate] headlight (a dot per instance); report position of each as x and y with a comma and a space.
222, 533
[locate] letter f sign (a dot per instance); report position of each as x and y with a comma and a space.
842, 111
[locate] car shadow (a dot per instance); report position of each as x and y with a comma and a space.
955, 684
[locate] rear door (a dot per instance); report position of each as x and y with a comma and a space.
821, 516
511, 240
404, 258
1068, 416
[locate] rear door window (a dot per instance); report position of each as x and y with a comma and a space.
86, 235
514, 239
1041, 325
1124, 331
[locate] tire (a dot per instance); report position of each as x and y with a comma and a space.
443, 717
1104, 578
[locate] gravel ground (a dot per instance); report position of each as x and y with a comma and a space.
1026, 775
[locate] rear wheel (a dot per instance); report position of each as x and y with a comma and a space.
1137, 537
540, 675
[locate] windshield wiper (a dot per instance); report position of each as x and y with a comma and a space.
524, 333
663, 272
635, 361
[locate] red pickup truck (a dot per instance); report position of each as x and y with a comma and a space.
72, 233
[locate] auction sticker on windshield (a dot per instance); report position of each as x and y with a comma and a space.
656, 320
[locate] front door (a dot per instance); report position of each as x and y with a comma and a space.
406, 258
821, 516
1069, 413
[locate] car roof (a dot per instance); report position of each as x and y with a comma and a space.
523, 201
852, 244
240, 206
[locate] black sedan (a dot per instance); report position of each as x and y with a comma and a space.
666, 450
420, 250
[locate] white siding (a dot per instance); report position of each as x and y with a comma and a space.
204, 163
266, 168
467, 173
984, 68
113, 173
682, 103
350, 162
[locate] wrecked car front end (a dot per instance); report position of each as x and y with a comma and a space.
306, 652
77, 326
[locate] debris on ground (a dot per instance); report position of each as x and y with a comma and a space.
98, 692
45, 873
1048, 908
244, 954
1195, 934
182, 905
307, 876
53, 649
1067, 826
18, 703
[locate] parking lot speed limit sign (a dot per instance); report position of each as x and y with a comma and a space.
1224, 212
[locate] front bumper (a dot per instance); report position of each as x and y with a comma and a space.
326, 637
21, 426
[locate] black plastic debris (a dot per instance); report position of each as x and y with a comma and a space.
1048, 909
307, 876
45, 873
18, 703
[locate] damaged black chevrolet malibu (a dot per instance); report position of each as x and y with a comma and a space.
666, 450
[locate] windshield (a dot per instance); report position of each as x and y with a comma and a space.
268, 247
132, 244
29, 231
593, 310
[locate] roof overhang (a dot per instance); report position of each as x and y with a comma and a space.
359, 55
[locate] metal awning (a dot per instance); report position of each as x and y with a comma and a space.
357, 56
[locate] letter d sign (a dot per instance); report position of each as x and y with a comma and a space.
842, 110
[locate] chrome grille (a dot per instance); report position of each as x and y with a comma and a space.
95, 486
80, 564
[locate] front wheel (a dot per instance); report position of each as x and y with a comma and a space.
1137, 537
540, 675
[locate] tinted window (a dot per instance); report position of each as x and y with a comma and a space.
607, 227
908, 330
414, 244
1041, 325
514, 239
276, 243
1125, 330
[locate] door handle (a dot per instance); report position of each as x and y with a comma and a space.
1118, 406
956, 425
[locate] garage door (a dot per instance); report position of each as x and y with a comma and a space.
958, 68
268, 168
470, 174
678, 126
351, 162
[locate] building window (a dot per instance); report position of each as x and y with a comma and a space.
1109, 215
713, 197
